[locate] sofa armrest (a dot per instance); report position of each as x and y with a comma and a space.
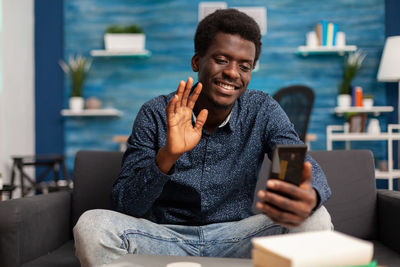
33, 226
389, 218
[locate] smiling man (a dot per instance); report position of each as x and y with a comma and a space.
190, 170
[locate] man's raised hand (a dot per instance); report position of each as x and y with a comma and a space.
181, 135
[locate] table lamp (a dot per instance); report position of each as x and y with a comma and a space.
389, 68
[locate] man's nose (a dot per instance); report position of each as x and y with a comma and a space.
231, 71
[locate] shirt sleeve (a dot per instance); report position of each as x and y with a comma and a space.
279, 130
140, 181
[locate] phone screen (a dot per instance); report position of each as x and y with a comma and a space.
288, 162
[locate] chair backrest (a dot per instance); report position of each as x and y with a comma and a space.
351, 177
297, 101
94, 175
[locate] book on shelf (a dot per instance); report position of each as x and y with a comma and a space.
324, 24
318, 31
326, 33
319, 248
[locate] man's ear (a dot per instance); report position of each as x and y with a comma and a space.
195, 63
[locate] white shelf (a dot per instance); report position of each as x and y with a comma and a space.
107, 112
335, 133
362, 136
305, 50
386, 175
116, 53
375, 109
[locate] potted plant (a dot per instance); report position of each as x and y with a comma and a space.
351, 67
368, 101
125, 38
77, 68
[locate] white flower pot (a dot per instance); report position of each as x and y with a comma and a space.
344, 100
76, 103
125, 41
368, 102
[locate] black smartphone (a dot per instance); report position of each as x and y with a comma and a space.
287, 163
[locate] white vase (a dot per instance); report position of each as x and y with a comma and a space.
374, 127
344, 100
76, 103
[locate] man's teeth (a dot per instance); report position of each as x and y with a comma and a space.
226, 86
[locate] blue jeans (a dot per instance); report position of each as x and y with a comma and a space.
102, 236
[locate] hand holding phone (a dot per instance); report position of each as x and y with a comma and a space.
287, 166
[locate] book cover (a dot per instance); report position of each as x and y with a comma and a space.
329, 35
335, 30
358, 96
319, 248
318, 30
324, 34
353, 95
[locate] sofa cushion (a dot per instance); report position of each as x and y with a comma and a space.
94, 175
62, 257
351, 176
42, 219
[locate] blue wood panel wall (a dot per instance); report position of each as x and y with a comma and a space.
126, 83
49, 79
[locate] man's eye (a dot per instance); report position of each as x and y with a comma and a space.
221, 61
245, 68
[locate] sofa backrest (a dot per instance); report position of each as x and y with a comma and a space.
351, 176
94, 175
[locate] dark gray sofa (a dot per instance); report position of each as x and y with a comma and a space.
36, 231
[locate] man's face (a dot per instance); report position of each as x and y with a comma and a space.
225, 69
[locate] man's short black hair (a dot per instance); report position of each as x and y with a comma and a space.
230, 21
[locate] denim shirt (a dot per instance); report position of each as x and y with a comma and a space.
214, 182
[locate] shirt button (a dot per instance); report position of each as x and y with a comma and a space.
207, 168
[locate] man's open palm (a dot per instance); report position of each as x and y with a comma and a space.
182, 136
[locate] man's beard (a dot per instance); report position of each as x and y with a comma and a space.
217, 105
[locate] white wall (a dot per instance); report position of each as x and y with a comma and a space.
17, 117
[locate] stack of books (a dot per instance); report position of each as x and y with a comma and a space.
326, 33
320, 248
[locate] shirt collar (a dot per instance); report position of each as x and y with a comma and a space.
225, 122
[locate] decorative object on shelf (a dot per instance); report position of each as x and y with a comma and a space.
357, 96
340, 39
352, 65
77, 68
368, 101
356, 121
389, 68
93, 103
374, 127
344, 100
125, 38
